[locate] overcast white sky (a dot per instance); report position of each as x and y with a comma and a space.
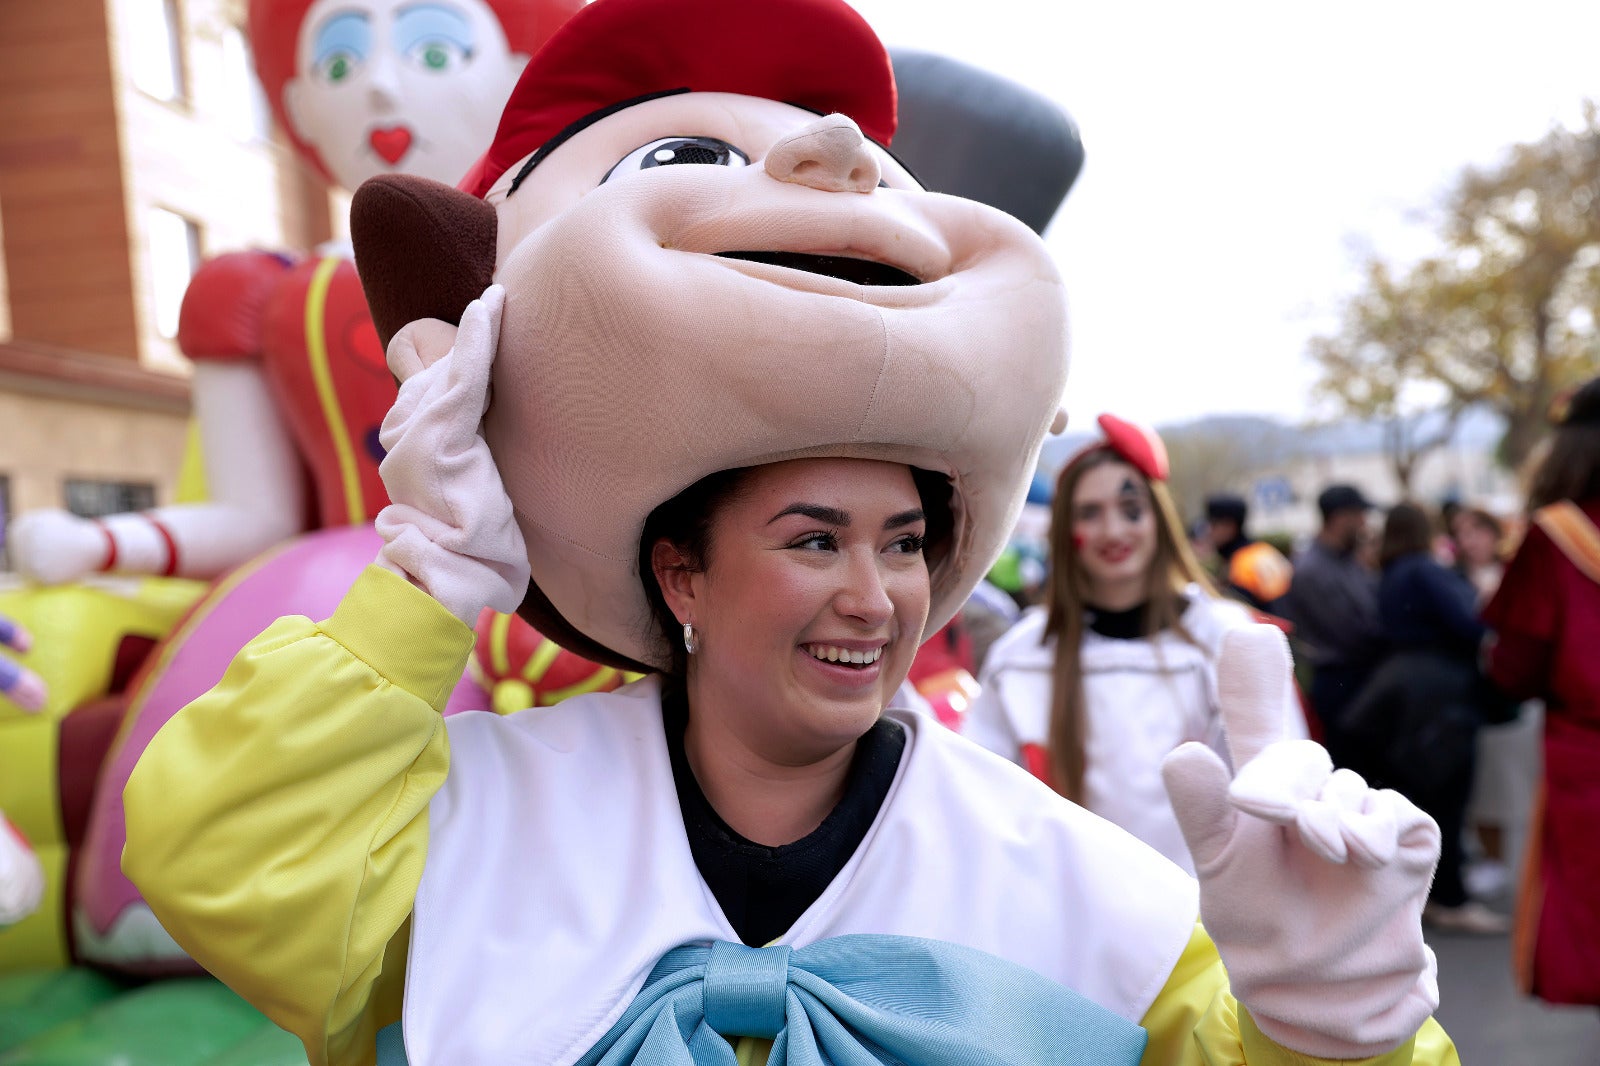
1238, 154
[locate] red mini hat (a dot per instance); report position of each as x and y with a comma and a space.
1139, 445
817, 54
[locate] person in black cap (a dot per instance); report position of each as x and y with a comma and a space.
1333, 603
1249, 570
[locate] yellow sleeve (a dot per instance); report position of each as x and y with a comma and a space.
277, 825
1195, 1021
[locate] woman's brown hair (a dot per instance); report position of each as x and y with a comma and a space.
1406, 531
1570, 469
1172, 569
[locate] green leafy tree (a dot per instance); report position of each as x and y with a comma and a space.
1505, 316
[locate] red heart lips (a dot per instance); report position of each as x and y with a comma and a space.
390, 143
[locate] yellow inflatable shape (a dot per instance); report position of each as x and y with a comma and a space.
76, 632
28, 796
78, 628
192, 486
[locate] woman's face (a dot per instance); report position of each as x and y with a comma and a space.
1114, 531
1476, 541
811, 605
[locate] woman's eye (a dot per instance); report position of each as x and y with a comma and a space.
911, 544
1132, 512
675, 151
437, 57
815, 542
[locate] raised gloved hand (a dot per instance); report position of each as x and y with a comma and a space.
1311, 883
17, 683
450, 527
53, 547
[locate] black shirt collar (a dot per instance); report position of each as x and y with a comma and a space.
764, 890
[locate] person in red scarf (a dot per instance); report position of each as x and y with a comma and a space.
1546, 617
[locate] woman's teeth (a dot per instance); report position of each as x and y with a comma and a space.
828, 653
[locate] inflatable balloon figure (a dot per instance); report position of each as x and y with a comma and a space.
289, 385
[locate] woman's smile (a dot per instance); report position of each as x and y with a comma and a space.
1115, 553
843, 666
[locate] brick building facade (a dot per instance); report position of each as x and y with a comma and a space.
133, 144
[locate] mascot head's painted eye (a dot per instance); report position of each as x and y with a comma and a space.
673, 151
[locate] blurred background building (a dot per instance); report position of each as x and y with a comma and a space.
131, 133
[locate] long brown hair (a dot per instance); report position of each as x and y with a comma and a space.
1570, 469
1172, 568
1406, 531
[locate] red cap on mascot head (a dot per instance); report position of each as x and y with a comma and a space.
764, 48
274, 32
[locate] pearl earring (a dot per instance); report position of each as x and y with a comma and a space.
691, 639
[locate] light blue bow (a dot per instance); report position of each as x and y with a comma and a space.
861, 1000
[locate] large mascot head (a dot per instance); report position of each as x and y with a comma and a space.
367, 87
712, 261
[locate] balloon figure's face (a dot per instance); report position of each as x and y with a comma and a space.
399, 86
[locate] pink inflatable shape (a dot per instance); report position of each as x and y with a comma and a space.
306, 576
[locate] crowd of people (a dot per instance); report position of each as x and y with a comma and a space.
1414, 661
1433, 650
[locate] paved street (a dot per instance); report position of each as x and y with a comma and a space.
1491, 1024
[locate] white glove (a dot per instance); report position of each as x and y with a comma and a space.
1311, 883
54, 547
17, 683
21, 876
450, 527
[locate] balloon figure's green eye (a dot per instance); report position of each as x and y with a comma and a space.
435, 57
338, 68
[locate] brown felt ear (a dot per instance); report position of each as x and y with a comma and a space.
423, 249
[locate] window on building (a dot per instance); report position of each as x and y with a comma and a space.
88, 498
249, 118
174, 257
155, 53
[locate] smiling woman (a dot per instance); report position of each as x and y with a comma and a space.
1092, 691
807, 601
762, 485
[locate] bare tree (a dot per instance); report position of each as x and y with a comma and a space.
1505, 316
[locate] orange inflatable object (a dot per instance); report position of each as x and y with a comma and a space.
1261, 570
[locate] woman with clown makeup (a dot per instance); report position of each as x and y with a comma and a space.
829, 390
1091, 691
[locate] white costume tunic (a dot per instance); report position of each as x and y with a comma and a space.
559, 872
1142, 698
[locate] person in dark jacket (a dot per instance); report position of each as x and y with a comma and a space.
1333, 604
1420, 714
